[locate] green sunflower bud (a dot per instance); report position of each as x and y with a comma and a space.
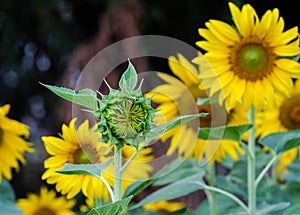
125, 116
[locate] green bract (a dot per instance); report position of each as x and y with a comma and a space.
125, 115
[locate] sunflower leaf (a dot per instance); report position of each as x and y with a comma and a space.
128, 80
224, 132
174, 190
84, 169
157, 131
282, 141
115, 208
177, 170
137, 187
7, 199
86, 97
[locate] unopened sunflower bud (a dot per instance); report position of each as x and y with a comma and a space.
125, 115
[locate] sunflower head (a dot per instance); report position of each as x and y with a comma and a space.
46, 203
13, 143
125, 115
252, 60
290, 112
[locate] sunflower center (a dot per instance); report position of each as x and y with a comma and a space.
44, 211
252, 59
290, 112
87, 154
81, 157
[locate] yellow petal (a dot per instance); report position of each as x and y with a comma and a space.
289, 66
4, 109
209, 36
262, 27
236, 15
285, 37
248, 16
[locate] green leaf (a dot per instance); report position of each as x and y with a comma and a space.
84, 169
172, 173
128, 80
86, 97
293, 210
268, 209
293, 172
157, 131
7, 199
174, 190
137, 187
282, 141
224, 132
115, 208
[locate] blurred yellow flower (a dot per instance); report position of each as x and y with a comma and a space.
179, 97
283, 116
12, 143
83, 146
251, 59
164, 206
46, 203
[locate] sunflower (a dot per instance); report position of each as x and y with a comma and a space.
164, 206
12, 143
179, 97
83, 146
252, 60
46, 204
284, 116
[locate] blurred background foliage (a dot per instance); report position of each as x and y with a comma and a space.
50, 41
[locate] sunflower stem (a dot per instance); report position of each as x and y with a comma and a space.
117, 173
211, 181
225, 193
108, 188
251, 164
265, 170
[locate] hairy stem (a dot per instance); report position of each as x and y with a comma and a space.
117, 173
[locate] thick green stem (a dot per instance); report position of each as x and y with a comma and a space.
251, 164
211, 181
117, 173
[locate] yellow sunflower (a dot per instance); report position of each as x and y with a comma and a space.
179, 97
46, 203
252, 60
83, 146
283, 116
164, 206
12, 143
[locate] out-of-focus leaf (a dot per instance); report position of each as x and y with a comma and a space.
174, 190
157, 131
282, 141
224, 132
7, 199
137, 187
